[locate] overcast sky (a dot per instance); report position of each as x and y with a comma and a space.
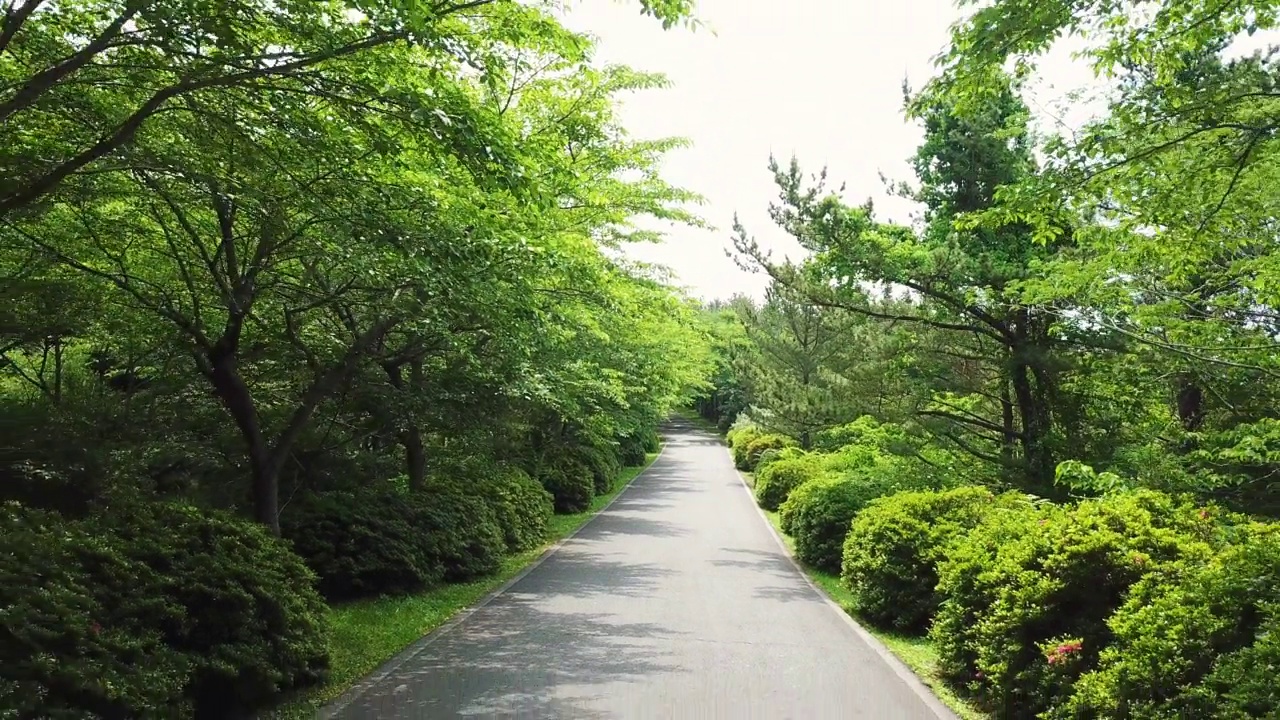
821, 79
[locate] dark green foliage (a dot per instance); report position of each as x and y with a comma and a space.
1200, 642
460, 531
361, 543
248, 615
776, 481
72, 643
571, 484
633, 448
604, 465
1026, 602
894, 547
153, 610
819, 512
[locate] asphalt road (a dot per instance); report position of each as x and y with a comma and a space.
676, 602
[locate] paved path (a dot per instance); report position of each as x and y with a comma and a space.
677, 602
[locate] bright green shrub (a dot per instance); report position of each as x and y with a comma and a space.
778, 479
652, 443
758, 446
523, 507
1038, 594
459, 530
773, 455
360, 543
895, 544
1201, 642
739, 439
818, 514
570, 484
72, 644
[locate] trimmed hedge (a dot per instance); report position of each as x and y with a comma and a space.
360, 543
1027, 599
895, 544
757, 447
818, 514
152, 610
1201, 642
570, 484
459, 531
779, 478
523, 507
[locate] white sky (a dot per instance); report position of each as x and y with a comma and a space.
818, 78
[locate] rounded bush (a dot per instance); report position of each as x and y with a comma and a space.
459, 530
778, 479
523, 507
604, 466
894, 546
757, 447
570, 484
739, 439
73, 644
818, 514
1203, 641
1026, 602
360, 543
631, 451
247, 614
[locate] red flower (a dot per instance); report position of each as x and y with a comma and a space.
1062, 651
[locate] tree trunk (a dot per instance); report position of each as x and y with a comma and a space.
415, 456
1039, 460
1008, 447
224, 373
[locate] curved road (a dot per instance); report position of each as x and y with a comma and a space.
676, 602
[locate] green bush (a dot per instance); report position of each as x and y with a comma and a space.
757, 447
779, 478
459, 530
360, 543
603, 463
631, 450
152, 610
72, 645
818, 514
739, 438
1202, 642
523, 507
570, 484
772, 455
894, 546
1027, 602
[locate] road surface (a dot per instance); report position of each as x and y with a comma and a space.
676, 602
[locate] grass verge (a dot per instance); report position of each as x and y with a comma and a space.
367, 633
916, 653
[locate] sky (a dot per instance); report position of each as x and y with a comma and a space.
818, 79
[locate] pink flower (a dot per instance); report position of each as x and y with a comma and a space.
1061, 652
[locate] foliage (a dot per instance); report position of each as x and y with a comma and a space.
570, 484
818, 514
758, 446
1025, 612
1199, 641
360, 543
459, 531
895, 544
156, 610
523, 507
780, 478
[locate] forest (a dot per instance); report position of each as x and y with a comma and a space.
306, 305
1037, 426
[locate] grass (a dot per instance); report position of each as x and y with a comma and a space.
916, 653
367, 633
693, 417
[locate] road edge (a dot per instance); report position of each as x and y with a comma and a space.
905, 673
357, 691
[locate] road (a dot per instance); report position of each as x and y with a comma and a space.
676, 602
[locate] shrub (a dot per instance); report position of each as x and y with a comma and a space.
151, 610
757, 447
631, 450
246, 612
1201, 642
1038, 603
895, 544
523, 507
776, 481
603, 463
739, 438
360, 543
772, 455
819, 512
68, 648
570, 484
459, 531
